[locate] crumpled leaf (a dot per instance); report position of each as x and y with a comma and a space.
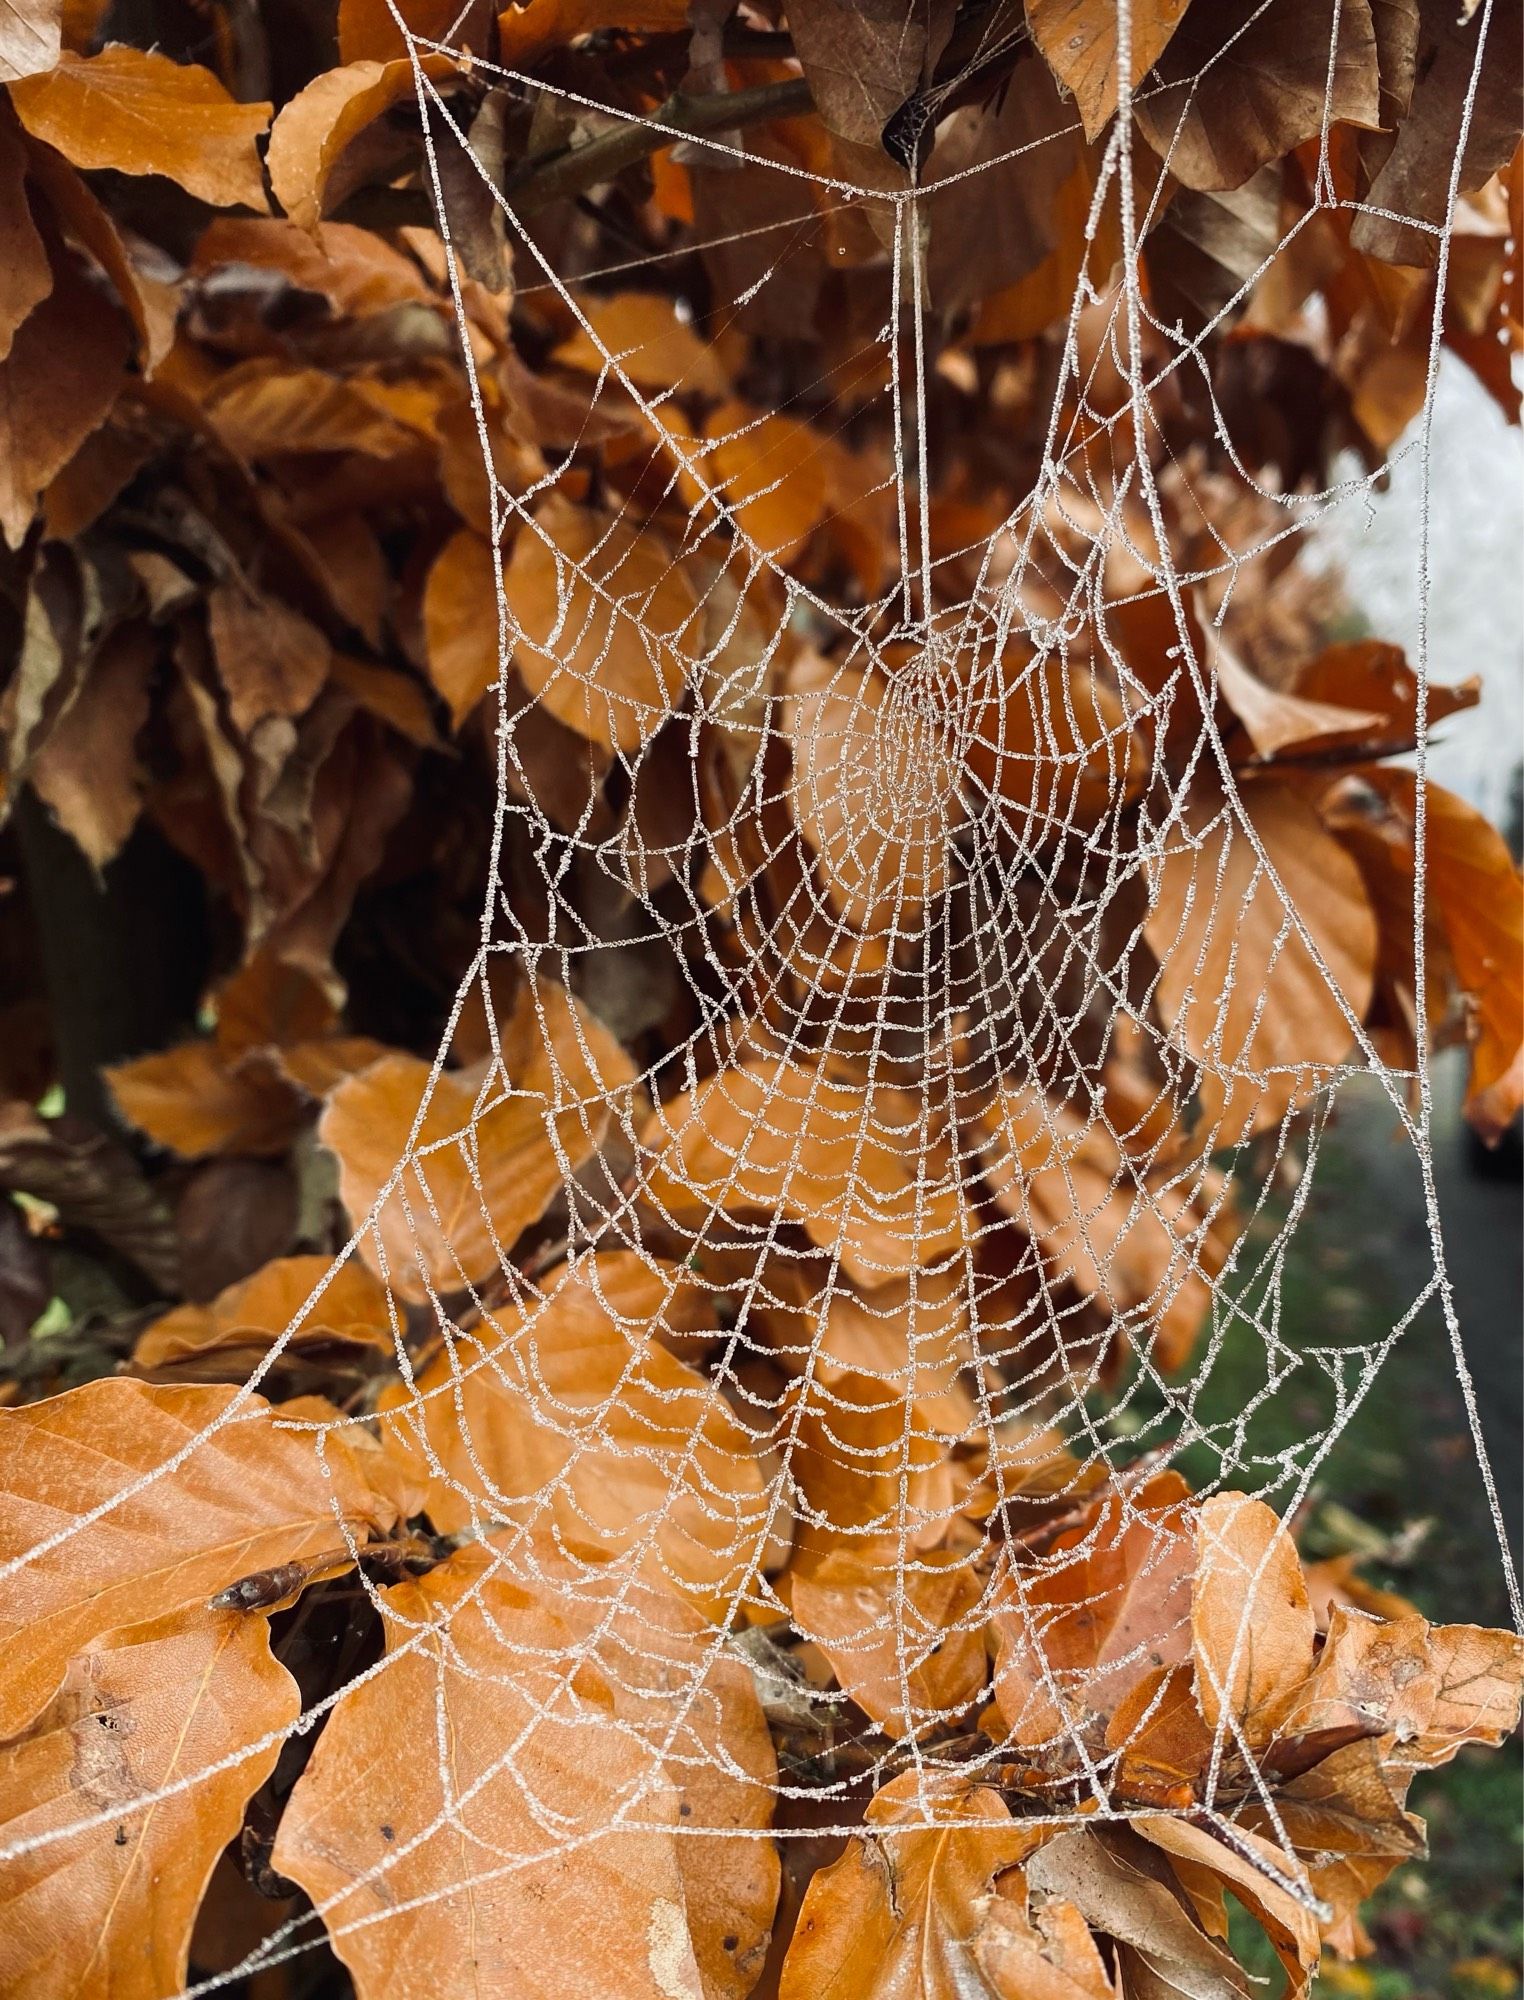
26, 276
251, 1314
1079, 40
1237, 987
1242, 83
139, 113
87, 770
599, 612
519, 1136
110, 1907
913, 1913
1252, 1625
546, 1741
562, 1409
246, 1496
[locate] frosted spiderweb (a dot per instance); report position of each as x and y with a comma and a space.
900, 1249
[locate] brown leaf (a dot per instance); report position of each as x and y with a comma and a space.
1163, 1747
1367, 674
908, 1910
777, 476
110, 1907
29, 37
1078, 38
564, 1410
87, 770
1130, 1238
271, 659
851, 1165
1406, 203
1252, 1626
60, 379
874, 796
252, 1313
1431, 1688
1345, 1822
245, 1497
863, 58
510, 1134
1277, 722
1165, 1953
95, 1185
545, 1732
139, 113
642, 332
1204, 1862
1238, 988
597, 612
1243, 83
314, 159
888, 1635
26, 276
368, 30
269, 406
1108, 1602
460, 622
194, 1100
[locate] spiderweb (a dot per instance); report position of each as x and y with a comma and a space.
980, 1156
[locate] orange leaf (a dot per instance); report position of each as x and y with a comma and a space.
252, 1313
109, 1908
1079, 39
489, 1152
368, 29
551, 1739
1252, 1625
887, 1634
246, 1497
530, 31
1237, 987
460, 622
600, 605
314, 132
195, 1100
564, 1410
62, 376
776, 473
26, 276
139, 113
642, 333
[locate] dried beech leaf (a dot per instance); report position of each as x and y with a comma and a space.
64, 371
884, 1636
29, 37
598, 612
547, 1740
488, 1155
912, 1913
313, 134
566, 1409
1110, 1600
109, 1908
140, 113
460, 622
851, 1165
776, 473
248, 1496
194, 1100
26, 276
87, 770
254, 1312
1237, 987
1252, 1626
1242, 83
1079, 40
647, 340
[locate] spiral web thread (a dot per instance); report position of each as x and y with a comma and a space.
915, 1010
